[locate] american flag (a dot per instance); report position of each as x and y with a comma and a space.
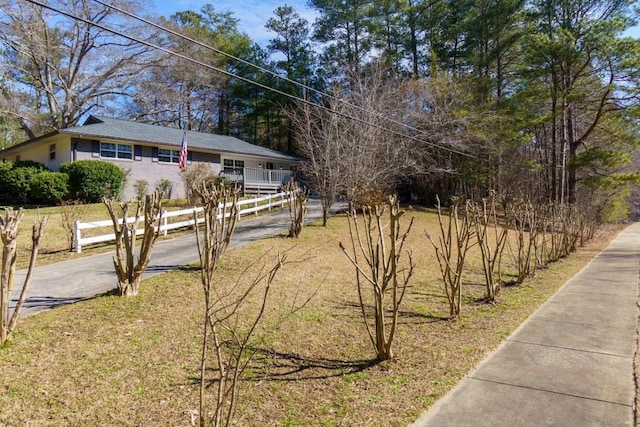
182, 163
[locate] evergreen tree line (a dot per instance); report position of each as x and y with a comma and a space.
535, 99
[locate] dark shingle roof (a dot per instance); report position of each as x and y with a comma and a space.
102, 127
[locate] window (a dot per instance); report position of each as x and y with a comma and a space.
270, 166
231, 165
116, 151
166, 155
52, 152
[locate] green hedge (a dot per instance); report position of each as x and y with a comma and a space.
49, 187
91, 180
16, 178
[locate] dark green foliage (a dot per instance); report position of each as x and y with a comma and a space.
5, 167
15, 180
29, 164
91, 180
49, 187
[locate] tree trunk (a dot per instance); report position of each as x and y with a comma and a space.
6, 284
128, 289
9, 223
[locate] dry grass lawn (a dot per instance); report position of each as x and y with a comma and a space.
115, 361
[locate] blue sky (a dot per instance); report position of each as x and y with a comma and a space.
253, 14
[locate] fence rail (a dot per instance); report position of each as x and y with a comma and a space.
254, 205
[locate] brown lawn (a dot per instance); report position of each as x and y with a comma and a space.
114, 361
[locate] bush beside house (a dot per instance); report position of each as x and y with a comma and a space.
91, 180
49, 187
28, 182
15, 180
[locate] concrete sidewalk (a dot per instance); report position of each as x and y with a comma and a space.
70, 281
570, 364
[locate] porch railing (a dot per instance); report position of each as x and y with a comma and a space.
267, 176
256, 176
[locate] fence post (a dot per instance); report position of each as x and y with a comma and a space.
163, 218
269, 201
219, 214
238, 209
77, 236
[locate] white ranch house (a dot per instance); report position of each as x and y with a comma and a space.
151, 153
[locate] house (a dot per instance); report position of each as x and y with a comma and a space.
151, 153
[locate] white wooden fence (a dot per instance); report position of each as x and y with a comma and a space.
253, 206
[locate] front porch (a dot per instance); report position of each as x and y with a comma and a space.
257, 180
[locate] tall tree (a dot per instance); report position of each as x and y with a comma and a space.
292, 42
493, 29
420, 20
448, 39
344, 26
180, 94
293, 46
356, 144
585, 71
59, 69
385, 24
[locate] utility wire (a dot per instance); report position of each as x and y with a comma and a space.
266, 70
243, 79
213, 49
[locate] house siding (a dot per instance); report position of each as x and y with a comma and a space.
252, 162
41, 152
145, 166
83, 143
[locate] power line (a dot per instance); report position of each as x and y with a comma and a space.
213, 49
271, 73
246, 80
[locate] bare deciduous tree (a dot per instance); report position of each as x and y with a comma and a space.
381, 280
193, 178
451, 249
297, 207
438, 107
491, 237
589, 224
60, 69
318, 137
525, 222
563, 228
165, 186
9, 234
359, 142
128, 271
233, 312
71, 211
233, 321
374, 151
220, 210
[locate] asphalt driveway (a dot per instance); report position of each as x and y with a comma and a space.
74, 280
